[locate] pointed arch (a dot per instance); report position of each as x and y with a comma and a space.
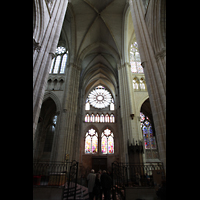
91, 141
55, 99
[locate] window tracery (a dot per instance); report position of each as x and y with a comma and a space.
135, 60
107, 142
100, 98
58, 63
91, 141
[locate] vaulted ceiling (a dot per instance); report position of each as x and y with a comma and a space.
98, 42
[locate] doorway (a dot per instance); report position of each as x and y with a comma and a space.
99, 163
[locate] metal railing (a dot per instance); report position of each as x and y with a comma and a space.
133, 175
56, 174
50, 173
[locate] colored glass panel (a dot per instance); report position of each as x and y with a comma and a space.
94, 144
110, 145
88, 144
104, 145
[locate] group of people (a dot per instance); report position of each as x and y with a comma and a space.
98, 184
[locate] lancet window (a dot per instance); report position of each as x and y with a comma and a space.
107, 142
142, 84
135, 60
100, 118
135, 84
147, 131
58, 63
91, 141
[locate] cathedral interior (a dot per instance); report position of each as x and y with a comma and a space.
99, 84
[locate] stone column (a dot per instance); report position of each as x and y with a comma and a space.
127, 106
42, 58
154, 75
67, 128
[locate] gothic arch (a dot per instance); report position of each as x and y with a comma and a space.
54, 98
89, 127
107, 126
140, 104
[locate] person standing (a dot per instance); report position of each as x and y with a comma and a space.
106, 182
91, 181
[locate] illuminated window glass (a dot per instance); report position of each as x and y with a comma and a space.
112, 118
59, 61
100, 97
102, 118
147, 131
107, 118
142, 84
91, 141
64, 60
92, 118
135, 84
55, 71
135, 60
52, 64
107, 142
97, 118
87, 118
87, 105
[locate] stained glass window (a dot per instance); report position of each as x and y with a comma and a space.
112, 118
107, 118
107, 142
87, 118
102, 118
59, 61
91, 141
135, 60
92, 118
147, 131
135, 84
100, 97
142, 85
97, 118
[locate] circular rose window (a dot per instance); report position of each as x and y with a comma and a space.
100, 97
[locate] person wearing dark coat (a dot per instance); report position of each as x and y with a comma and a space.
106, 182
97, 187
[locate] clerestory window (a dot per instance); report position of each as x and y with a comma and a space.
59, 62
135, 60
